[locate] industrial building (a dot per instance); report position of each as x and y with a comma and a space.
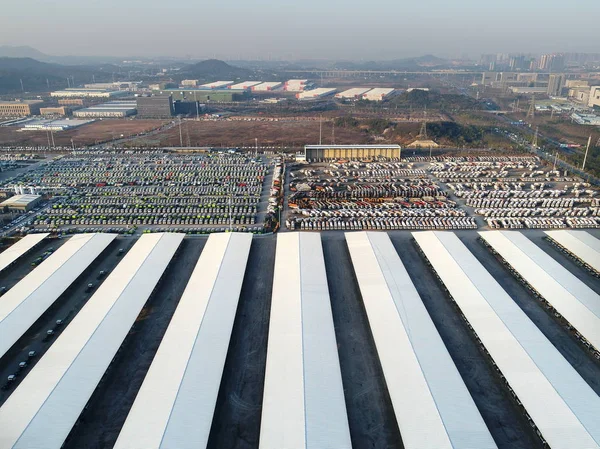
46, 405
425, 387
23, 304
355, 93
156, 107
547, 386
572, 299
217, 85
21, 203
56, 110
323, 152
112, 109
189, 83
303, 402
585, 119
89, 93
70, 102
266, 87
316, 94
378, 94
594, 99
176, 402
245, 85
20, 108
10, 255
206, 96
54, 125
296, 85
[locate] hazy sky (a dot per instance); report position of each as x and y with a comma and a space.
338, 29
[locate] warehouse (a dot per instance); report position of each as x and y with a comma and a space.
89, 93
378, 94
205, 96
216, 85
296, 85
23, 304
54, 125
155, 107
432, 405
21, 203
112, 109
266, 87
245, 85
549, 388
22, 247
45, 406
324, 152
20, 108
315, 94
575, 301
175, 404
353, 94
303, 403
56, 110
580, 245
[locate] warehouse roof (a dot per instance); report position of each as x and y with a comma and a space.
574, 300
176, 402
303, 403
432, 405
562, 405
19, 200
12, 253
43, 409
23, 304
579, 243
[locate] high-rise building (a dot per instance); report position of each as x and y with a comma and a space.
556, 82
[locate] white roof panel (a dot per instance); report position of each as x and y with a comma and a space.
23, 304
12, 253
42, 410
175, 405
303, 403
582, 245
574, 300
433, 407
563, 407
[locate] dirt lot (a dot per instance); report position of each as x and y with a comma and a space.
240, 134
85, 135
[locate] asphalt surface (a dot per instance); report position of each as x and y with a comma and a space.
236, 422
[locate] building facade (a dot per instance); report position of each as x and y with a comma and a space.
19, 108
556, 82
155, 107
594, 99
324, 152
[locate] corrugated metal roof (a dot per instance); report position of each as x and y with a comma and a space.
583, 245
303, 403
354, 92
563, 407
175, 405
433, 407
12, 253
574, 300
42, 410
23, 304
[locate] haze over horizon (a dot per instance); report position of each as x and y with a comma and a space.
385, 29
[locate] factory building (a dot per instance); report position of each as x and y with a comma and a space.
378, 94
113, 109
155, 107
217, 85
266, 87
21, 203
56, 110
89, 93
20, 108
205, 96
296, 85
323, 152
315, 93
189, 83
54, 125
245, 85
70, 102
353, 94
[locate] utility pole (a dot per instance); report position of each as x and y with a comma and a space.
256, 147
72, 145
180, 134
586, 152
320, 129
52, 135
333, 133
22, 88
197, 108
555, 156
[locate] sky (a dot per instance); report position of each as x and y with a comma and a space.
301, 29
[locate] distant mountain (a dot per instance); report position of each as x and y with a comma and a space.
40, 76
6, 51
213, 69
421, 62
